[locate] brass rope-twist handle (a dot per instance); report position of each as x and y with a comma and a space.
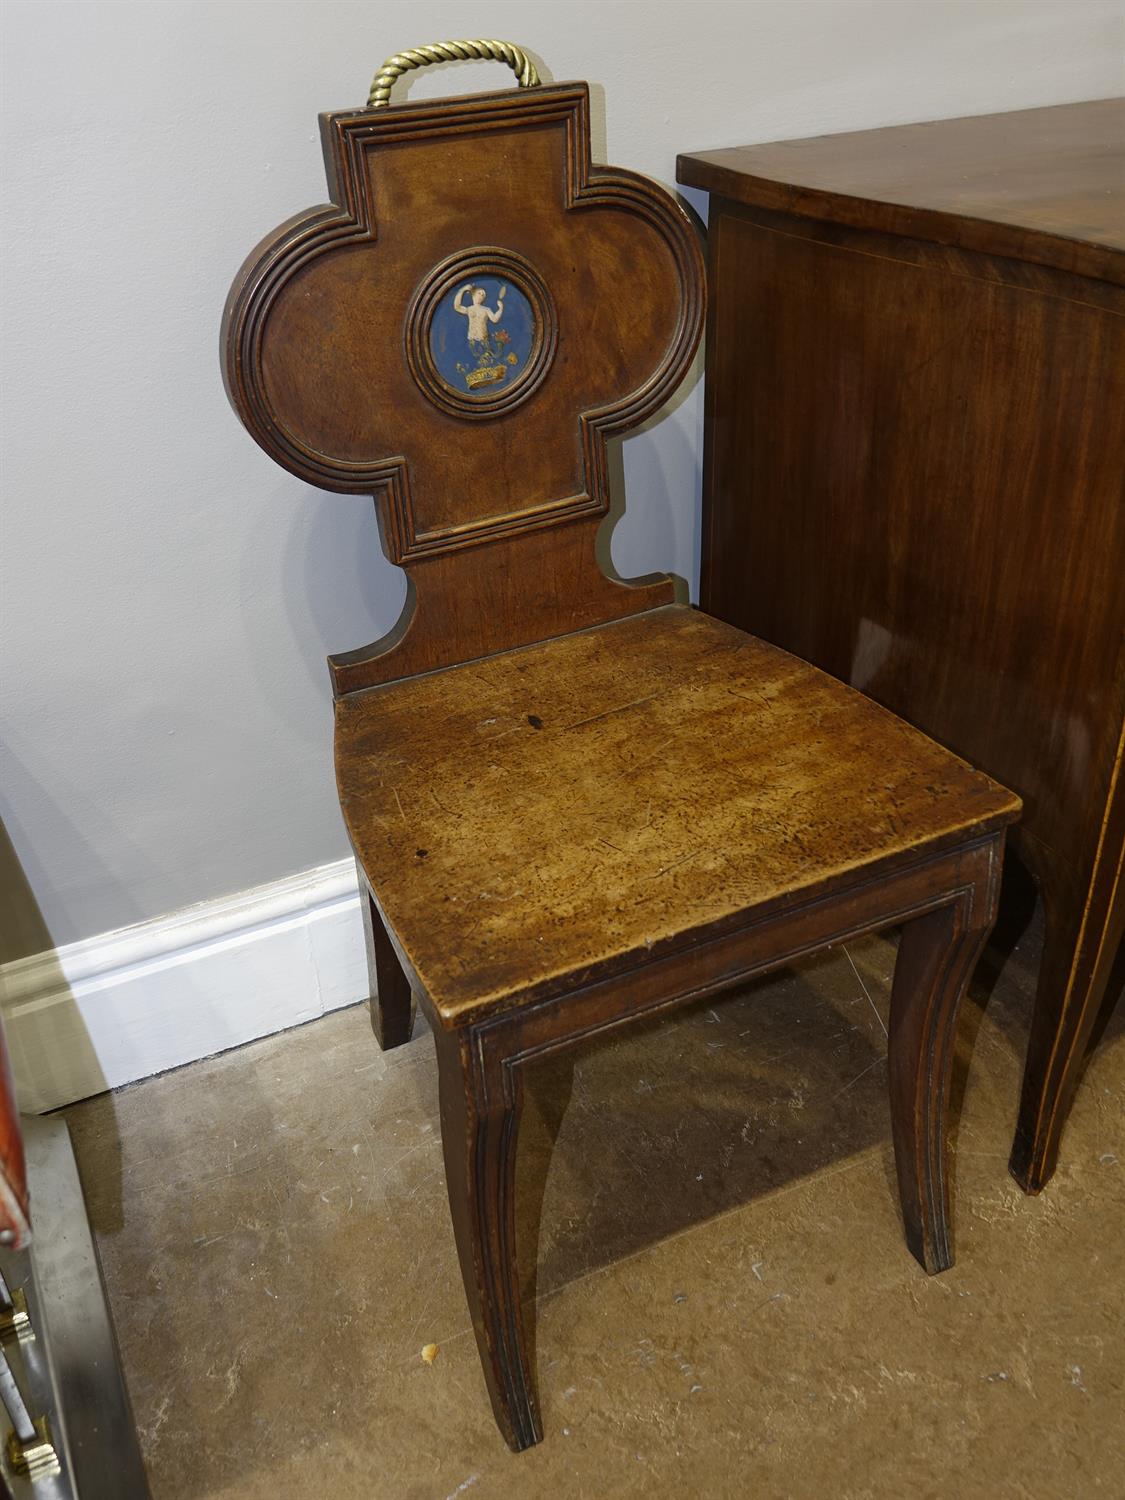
437, 52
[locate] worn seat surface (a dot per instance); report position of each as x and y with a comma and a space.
543, 817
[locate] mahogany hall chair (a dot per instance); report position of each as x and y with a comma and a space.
573, 801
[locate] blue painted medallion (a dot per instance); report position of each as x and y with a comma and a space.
482, 336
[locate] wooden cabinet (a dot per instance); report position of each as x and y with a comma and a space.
915, 452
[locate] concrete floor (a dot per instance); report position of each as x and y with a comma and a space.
725, 1304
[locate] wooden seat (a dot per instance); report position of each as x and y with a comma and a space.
573, 801
559, 813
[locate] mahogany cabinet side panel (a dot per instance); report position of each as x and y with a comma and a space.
914, 480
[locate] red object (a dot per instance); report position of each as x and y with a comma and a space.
15, 1221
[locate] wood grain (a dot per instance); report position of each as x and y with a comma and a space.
1042, 186
321, 321
563, 812
914, 478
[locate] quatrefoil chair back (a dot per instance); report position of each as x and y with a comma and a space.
573, 801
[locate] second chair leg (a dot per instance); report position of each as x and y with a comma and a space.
936, 957
392, 1002
480, 1113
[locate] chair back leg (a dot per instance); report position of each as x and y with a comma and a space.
392, 1001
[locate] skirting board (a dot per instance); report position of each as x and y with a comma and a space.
127, 1004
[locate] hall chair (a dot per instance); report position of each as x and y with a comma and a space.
573, 801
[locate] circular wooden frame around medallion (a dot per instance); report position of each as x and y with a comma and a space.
470, 265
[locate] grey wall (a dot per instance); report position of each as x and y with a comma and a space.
169, 595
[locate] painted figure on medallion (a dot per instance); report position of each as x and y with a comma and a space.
482, 335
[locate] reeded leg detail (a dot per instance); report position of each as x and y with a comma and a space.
391, 1002
936, 957
480, 1111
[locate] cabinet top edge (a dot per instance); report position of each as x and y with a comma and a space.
1045, 185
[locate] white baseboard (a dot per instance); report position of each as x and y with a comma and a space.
127, 1004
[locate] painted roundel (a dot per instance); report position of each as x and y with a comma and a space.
482, 336
481, 332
